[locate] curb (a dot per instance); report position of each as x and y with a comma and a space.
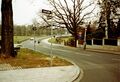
103, 51
76, 77
79, 75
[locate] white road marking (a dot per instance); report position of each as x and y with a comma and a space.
116, 59
82, 54
93, 65
69, 51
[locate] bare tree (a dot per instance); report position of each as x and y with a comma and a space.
7, 47
71, 13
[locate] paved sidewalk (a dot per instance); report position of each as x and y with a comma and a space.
47, 74
104, 51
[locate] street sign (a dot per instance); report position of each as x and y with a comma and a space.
46, 11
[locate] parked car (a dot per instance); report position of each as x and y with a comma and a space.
31, 38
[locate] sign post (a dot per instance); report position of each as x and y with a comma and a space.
49, 16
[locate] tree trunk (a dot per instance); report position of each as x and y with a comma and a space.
76, 40
7, 47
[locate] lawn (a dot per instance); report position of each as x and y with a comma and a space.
27, 58
59, 40
19, 39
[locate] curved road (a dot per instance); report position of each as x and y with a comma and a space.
97, 67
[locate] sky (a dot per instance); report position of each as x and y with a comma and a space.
25, 11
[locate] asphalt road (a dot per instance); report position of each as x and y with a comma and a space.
97, 67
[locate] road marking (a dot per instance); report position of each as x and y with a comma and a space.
94, 65
68, 51
116, 59
82, 54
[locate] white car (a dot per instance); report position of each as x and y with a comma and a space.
32, 38
17, 45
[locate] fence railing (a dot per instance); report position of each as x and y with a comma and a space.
112, 42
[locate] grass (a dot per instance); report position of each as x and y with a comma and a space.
19, 39
60, 39
30, 59
52, 40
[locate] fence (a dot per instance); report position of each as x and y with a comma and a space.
111, 42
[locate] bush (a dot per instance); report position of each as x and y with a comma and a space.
59, 40
70, 42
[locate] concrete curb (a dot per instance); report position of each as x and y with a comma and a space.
79, 72
76, 77
103, 51
79, 75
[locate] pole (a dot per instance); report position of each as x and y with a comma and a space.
34, 40
49, 16
51, 52
85, 39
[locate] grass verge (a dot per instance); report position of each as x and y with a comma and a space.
59, 40
30, 59
19, 39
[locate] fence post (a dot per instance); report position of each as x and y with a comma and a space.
92, 41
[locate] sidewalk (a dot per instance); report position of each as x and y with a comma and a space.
103, 49
47, 74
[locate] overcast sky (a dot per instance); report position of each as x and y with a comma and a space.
26, 10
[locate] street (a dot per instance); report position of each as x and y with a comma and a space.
97, 67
